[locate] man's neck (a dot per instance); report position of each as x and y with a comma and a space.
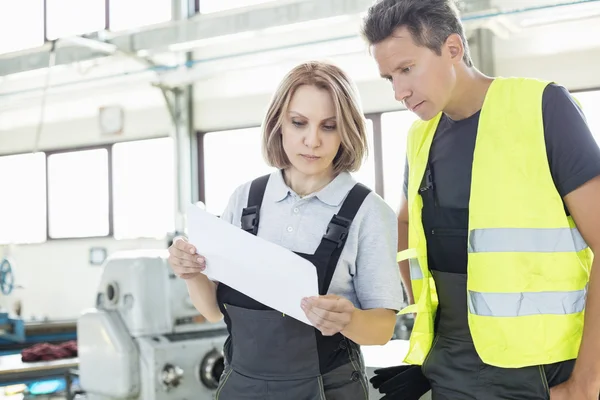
469, 93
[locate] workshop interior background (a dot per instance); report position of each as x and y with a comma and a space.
115, 114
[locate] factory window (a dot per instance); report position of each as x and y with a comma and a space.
73, 17
23, 200
231, 158
210, 6
143, 188
78, 200
23, 22
366, 174
394, 130
589, 104
131, 14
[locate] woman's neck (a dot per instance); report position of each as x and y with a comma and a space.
303, 185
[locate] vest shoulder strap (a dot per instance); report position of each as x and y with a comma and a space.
251, 213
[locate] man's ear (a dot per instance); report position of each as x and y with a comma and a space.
455, 47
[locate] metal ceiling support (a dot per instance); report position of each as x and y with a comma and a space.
160, 37
483, 51
481, 40
181, 106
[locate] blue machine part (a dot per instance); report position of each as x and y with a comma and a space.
47, 387
7, 279
13, 328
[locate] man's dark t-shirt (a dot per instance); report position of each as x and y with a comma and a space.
573, 154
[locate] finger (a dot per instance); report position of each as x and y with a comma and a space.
196, 264
309, 308
327, 328
337, 318
320, 315
189, 275
182, 255
187, 266
183, 245
334, 304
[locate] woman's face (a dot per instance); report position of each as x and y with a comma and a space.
310, 135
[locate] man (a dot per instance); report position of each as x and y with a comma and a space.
500, 219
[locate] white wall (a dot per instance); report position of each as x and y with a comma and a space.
58, 281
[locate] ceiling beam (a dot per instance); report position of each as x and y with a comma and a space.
200, 27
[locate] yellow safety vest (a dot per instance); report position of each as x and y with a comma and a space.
528, 265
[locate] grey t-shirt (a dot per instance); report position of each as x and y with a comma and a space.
573, 154
367, 273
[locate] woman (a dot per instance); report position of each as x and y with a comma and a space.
315, 134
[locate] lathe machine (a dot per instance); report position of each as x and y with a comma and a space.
143, 340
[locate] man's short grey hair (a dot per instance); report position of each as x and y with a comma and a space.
430, 22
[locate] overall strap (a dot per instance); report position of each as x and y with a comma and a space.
335, 237
251, 214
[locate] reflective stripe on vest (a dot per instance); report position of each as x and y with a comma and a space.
519, 240
526, 303
526, 240
413, 262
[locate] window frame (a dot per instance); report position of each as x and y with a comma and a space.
196, 9
108, 148
20, 153
201, 167
111, 189
377, 152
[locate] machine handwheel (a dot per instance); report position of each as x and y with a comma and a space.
211, 369
7, 280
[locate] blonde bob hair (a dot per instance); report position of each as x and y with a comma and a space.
351, 123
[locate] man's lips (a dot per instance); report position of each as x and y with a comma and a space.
415, 107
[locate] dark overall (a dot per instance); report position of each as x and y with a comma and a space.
272, 356
453, 367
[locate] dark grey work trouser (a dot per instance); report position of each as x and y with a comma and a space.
454, 368
457, 373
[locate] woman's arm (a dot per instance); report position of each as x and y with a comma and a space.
371, 327
332, 314
375, 280
203, 293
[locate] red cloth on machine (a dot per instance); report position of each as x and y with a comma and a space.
49, 352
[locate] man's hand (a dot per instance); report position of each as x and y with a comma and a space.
330, 314
570, 390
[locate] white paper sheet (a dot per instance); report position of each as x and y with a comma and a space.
264, 271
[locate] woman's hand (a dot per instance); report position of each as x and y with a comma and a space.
330, 314
184, 261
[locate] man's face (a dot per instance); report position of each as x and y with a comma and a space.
421, 79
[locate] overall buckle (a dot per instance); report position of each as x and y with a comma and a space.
337, 230
250, 219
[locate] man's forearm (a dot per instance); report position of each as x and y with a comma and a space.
587, 367
404, 265
371, 327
